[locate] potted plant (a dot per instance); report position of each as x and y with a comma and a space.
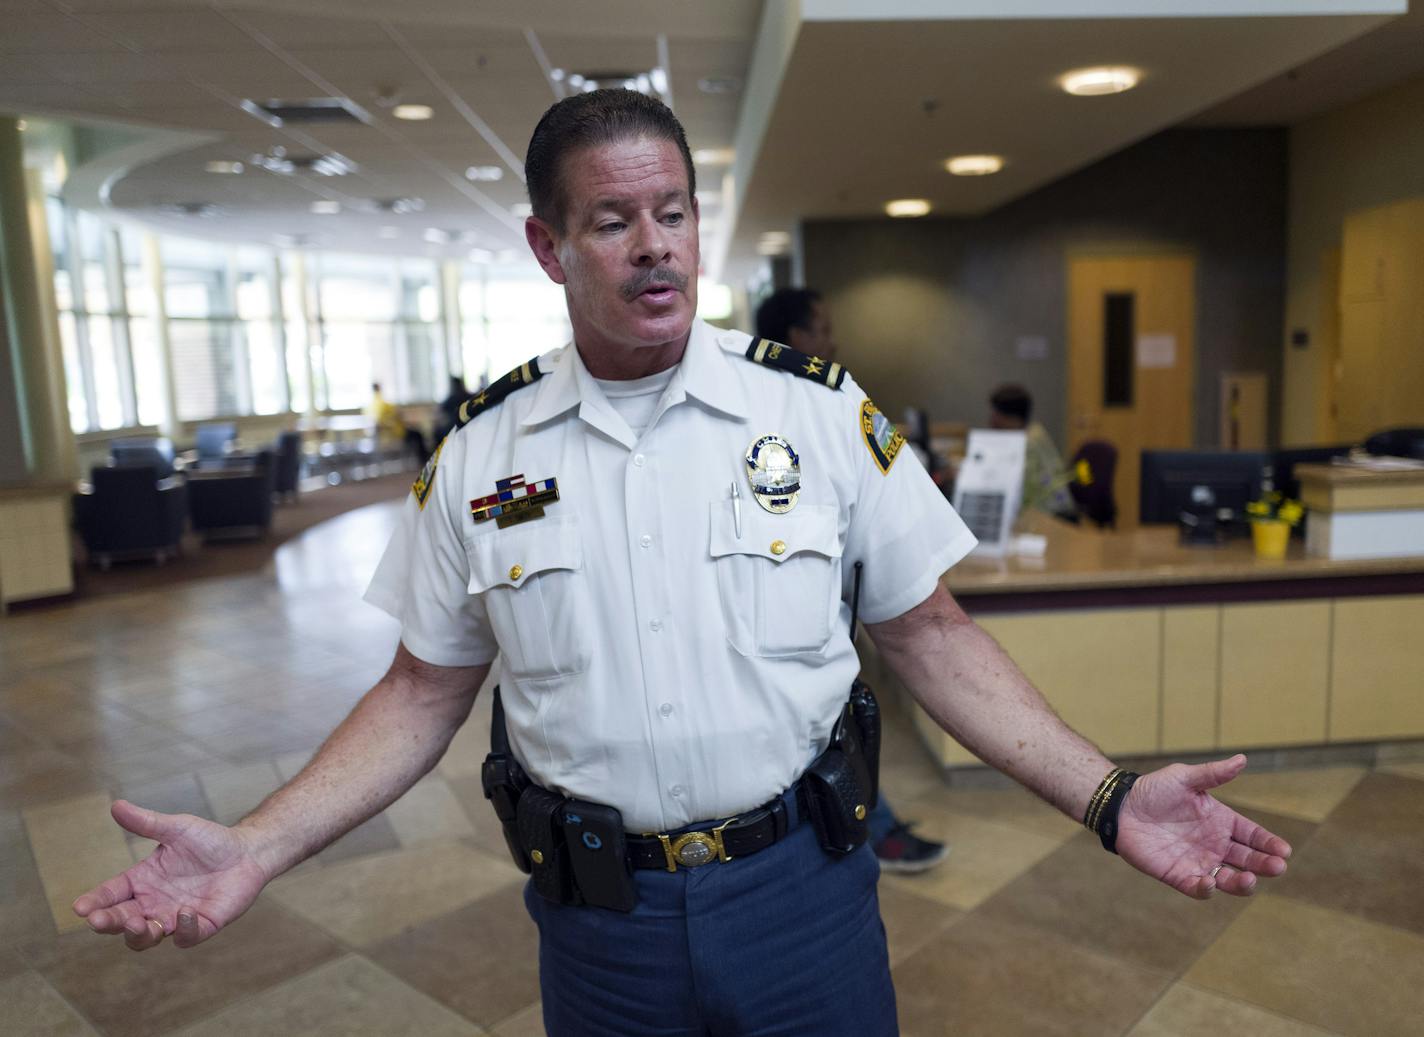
1271, 520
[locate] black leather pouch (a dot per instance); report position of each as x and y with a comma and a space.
866, 713
598, 853
540, 820
835, 802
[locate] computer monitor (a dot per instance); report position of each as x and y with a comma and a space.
1170, 476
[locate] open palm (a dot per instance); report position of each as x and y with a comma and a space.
1171, 828
201, 877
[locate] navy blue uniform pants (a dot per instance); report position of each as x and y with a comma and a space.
785, 943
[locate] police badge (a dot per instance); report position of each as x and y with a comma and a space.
774, 470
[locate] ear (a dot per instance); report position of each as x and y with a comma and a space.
544, 243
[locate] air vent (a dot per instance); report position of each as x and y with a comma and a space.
277, 112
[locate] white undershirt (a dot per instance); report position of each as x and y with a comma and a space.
637, 400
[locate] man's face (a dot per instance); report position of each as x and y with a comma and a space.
628, 253
815, 339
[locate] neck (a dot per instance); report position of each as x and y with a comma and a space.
624, 363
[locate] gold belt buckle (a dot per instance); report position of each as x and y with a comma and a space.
692, 849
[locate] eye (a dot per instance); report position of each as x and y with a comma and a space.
672, 219
611, 227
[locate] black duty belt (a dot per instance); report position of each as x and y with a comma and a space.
738, 836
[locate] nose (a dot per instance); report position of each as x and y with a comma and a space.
650, 244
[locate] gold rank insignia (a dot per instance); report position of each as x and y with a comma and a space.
515, 501
426, 479
881, 436
774, 470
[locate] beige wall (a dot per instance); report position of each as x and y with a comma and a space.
1365, 154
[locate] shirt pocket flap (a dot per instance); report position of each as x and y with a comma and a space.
509, 557
807, 528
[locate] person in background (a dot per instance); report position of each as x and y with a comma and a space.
450, 406
798, 317
1046, 478
390, 426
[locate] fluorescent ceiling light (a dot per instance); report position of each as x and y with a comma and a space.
522, 211
484, 173
413, 112
1096, 82
436, 236
714, 156
223, 167
974, 165
902, 207
326, 207
780, 237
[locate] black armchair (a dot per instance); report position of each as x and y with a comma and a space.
153, 451
234, 499
128, 512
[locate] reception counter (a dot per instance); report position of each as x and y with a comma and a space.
1149, 646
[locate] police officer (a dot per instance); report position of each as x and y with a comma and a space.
656, 527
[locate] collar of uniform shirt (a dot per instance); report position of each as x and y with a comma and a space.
706, 371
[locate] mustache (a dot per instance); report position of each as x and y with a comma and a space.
644, 279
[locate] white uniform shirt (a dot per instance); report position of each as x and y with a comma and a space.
654, 660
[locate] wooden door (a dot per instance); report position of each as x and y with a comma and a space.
1131, 369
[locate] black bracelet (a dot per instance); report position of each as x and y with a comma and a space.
1106, 819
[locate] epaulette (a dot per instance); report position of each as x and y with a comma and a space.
802, 365
495, 393
490, 396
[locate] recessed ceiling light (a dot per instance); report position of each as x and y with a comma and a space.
22, 125
436, 236
484, 173
902, 207
522, 211
1095, 82
223, 167
974, 165
325, 207
413, 112
719, 85
714, 156
771, 248
776, 236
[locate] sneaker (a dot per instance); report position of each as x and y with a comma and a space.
903, 851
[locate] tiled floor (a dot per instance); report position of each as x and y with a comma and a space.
203, 697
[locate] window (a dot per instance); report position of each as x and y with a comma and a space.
508, 314
202, 330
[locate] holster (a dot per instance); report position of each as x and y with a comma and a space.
504, 783
575, 851
841, 786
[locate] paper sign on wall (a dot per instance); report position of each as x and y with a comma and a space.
1157, 350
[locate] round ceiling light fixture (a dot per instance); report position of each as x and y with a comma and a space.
974, 165
413, 112
902, 208
1099, 81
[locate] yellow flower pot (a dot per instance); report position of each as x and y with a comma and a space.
1270, 537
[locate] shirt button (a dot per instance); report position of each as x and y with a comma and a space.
639, 460
665, 709
645, 540
676, 790
655, 625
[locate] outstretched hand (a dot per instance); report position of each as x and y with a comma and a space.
202, 876
1171, 828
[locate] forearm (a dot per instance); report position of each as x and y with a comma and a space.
973, 690
393, 738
